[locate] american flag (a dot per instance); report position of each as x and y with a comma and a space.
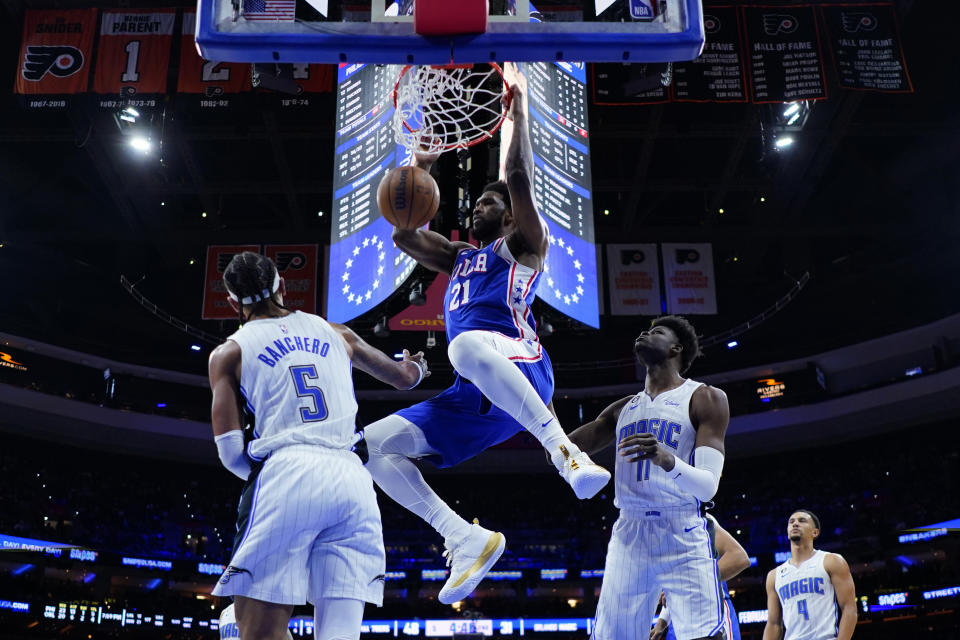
269, 9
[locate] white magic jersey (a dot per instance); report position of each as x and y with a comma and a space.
296, 380
809, 604
643, 484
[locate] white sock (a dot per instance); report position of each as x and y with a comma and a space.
392, 442
475, 357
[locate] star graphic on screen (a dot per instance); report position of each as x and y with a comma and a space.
579, 290
380, 245
368, 294
350, 297
366, 241
560, 242
553, 240
550, 282
359, 300
557, 293
367, 276
574, 297
566, 299
569, 251
376, 284
580, 277
576, 264
346, 288
345, 276
349, 263
380, 270
356, 251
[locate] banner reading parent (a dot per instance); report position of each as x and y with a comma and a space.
134, 52
215, 305
633, 277
297, 264
688, 274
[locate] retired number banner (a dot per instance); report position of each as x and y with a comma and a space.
784, 55
633, 279
56, 52
865, 44
297, 264
133, 52
688, 274
215, 305
212, 79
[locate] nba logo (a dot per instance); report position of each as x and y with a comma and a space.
642, 9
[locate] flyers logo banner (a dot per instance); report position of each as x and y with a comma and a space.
297, 264
854, 22
55, 51
209, 78
133, 52
61, 61
774, 23
711, 23
215, 305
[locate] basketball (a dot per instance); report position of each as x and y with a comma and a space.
408, 197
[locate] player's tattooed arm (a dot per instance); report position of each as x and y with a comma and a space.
599, 434
405, 374
842, 580
774, 628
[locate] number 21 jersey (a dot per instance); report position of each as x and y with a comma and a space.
296, 380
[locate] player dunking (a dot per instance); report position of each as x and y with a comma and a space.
732, 559
810, 596
504, 377
308, 527
670, 443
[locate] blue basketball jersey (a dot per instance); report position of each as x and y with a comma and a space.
489, 290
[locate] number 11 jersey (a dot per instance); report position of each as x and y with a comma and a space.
296, 380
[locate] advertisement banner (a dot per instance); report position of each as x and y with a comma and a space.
215, 305
56, 52
428, 317
133, 52
689, 279
633, 278
298, 266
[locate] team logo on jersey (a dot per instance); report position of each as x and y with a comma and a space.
60, 61
290, 260
855, 21
283, 328
382, 578
672, 403
711, 24
774, 23
231, 571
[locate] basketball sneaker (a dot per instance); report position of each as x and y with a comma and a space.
583, 474
470, 560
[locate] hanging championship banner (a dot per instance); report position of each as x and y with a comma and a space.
55, 54
212, 79
633, 277
297, 264
717, 75
133, 52
688, 274
215, 305
784, 55
865, 45
618, 84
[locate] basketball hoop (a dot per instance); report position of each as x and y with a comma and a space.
445, 107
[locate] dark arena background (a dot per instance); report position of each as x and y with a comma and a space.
835, 332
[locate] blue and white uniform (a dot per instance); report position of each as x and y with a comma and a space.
807, 599
731, 626
490, 292
308, 525
661, 541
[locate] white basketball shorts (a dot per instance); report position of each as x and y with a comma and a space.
308, 528
656, 549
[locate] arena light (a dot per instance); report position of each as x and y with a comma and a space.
194, 347
782, 142
141, 143
732, 344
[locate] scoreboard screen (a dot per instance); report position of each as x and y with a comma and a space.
365, 267
557, 103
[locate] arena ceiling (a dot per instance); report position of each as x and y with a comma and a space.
867, 202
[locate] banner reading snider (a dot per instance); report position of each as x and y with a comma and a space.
56, 52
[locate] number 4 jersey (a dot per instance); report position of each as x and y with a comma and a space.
807, 599
296, 380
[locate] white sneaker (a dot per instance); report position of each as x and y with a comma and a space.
583, 474
470, 561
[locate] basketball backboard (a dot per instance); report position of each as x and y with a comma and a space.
382, 31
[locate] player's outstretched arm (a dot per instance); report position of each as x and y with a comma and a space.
842, 580
733, 558
224, 372
405, 374
774, 628
599, 434
519, 177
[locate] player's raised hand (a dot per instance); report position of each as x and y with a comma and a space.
418, 359
424, 157
659, 630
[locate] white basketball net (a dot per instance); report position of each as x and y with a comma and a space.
442, 108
